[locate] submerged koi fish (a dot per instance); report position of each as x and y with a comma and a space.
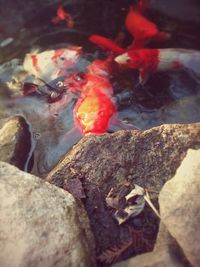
106, 43
155, 60
142, 29
51, 64
62, 14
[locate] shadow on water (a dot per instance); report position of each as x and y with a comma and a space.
165, 98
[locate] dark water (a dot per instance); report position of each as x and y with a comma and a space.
165, 98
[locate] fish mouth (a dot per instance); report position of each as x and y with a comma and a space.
122, 59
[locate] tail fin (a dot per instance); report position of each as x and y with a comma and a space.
106, 44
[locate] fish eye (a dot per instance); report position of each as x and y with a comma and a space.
62, 58
79, 76
128, 60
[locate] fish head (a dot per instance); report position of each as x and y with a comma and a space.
76, 81
130, 59
93, 114
66, 57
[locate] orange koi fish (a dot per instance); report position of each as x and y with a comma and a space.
106, 43
94, 107
63, 15
142, 29
95, 111
155, 60
49, 65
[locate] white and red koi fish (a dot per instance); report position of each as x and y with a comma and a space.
154, 60
49, 65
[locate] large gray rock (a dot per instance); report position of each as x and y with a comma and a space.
100, 163
40, 224
180, 207
161, 258
16, 142
178, 239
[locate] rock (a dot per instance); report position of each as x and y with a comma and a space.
166, 253
40, 224
101, 163
179, 206
15, 142
162, 258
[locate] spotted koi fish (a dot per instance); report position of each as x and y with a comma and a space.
49, 65
154, 60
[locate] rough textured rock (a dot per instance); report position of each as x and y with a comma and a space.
15, 142
40, 224
100, 163
180, 208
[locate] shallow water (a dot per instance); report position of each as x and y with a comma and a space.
165, 98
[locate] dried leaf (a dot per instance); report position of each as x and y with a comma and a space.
138, 190
148, 200
130, 211
110, 255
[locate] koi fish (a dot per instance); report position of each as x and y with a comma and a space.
155, 60
106, 44
49, 65
102, 67
96, 109
142, 29
63, 15
93, 113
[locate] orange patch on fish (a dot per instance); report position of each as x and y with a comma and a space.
93, 112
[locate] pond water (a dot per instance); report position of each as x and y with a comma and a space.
170, 97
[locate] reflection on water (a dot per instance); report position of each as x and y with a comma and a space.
166, 98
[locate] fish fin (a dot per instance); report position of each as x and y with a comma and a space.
143, 76
117, 125
142, 5
137, 44
162, 36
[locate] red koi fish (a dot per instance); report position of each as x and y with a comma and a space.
51, 64
142, 29
154, 60
102, 67
63, 15
106, 43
